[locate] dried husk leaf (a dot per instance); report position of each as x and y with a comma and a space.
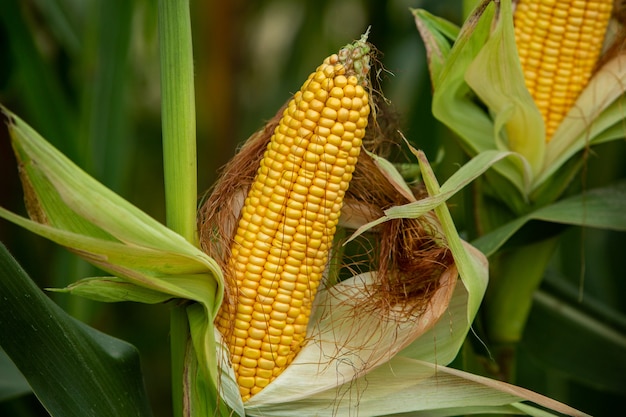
424, 389
346, 339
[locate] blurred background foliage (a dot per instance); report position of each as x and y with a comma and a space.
85, 74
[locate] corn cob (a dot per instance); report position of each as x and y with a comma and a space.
559, 42
290, 215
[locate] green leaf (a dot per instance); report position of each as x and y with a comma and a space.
569, 325
86, 197
393, 175
105, 116
602, 208
548, 192
53, 114
469, 6
229, 388
489, 106
73, 369
159, 270
12, 382
453, 103
203, 382
61, 18
103, 227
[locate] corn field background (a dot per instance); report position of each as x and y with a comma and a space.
85, 74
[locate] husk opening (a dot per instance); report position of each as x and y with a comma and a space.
409, 256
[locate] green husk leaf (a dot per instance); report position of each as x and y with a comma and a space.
455, 104
391, 173
465, 75
78, 212
452, 97
502, 88
86, 197
472, 269
437, 34
96, 222
113, 290
229, 389
601, 208
461, 178
442, 342
134, 263
596, 117
201, 386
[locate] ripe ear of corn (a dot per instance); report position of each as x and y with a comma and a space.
289, 217
559, 42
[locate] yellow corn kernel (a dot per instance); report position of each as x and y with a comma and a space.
559, 42
310, 155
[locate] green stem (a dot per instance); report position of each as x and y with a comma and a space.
179, 157
516, 275
178, 117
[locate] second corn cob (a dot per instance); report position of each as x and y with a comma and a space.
559, 42
290, 215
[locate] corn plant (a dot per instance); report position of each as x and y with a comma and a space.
318, 276
549, 101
